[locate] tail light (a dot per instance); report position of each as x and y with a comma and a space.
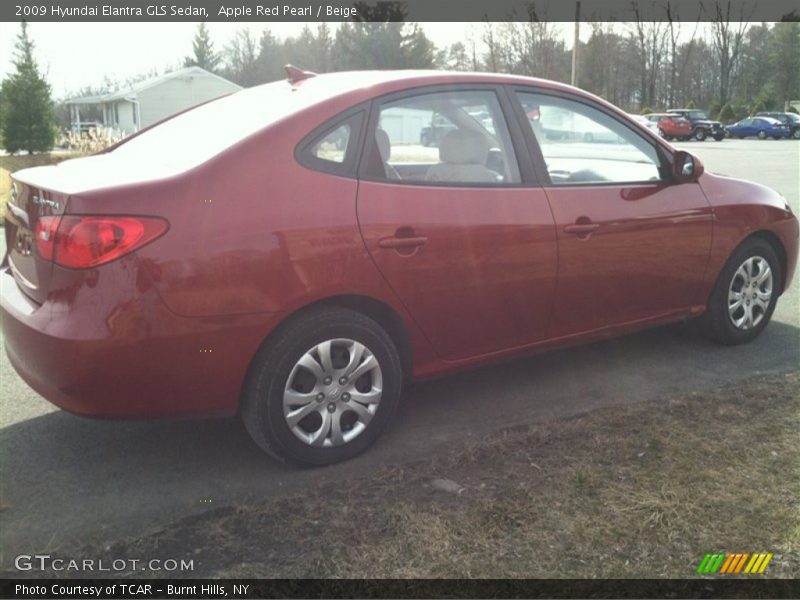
81, 242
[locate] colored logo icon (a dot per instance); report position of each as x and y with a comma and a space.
731, 563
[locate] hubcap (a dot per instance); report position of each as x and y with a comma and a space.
750, 293
332, 393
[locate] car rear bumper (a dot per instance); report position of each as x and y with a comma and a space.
135, 359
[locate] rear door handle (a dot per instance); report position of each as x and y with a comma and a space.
581, 228
402, 242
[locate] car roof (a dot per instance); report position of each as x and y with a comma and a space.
353, 87
379, 82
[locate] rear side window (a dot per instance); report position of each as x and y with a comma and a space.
457, 138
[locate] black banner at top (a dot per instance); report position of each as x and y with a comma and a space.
400, 10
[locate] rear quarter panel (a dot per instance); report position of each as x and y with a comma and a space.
254, 232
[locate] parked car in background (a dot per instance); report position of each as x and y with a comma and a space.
647, 122
433, 134
760, 127
259, 270
787, 118
672, 126
702, 126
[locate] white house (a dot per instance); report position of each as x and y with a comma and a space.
150, 100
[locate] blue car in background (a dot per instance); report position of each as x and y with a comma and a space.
760, 127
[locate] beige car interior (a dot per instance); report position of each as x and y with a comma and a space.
462, 155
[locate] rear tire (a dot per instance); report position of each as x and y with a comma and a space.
295, 405
749, 284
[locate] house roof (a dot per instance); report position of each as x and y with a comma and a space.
132, 91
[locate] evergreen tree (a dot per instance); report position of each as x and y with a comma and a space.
204, 55
785, 61
28, 121
726, 114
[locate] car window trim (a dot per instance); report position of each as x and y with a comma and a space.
665, 158
528, 178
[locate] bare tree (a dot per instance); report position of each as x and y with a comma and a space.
677, 60
491, 47
727, 37
650, 39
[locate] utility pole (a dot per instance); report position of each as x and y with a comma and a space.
576, 42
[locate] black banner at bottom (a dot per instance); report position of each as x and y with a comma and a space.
141, 589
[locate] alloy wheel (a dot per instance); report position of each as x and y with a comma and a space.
750, 293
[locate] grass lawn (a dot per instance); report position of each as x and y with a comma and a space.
631, 492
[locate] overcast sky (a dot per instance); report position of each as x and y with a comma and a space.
75, 55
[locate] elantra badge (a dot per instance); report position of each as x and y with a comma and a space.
45, 202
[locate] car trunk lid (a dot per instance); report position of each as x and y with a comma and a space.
30, 209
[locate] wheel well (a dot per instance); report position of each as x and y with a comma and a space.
775, 242
382, 313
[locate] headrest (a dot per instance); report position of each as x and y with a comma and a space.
463, 147
384, 145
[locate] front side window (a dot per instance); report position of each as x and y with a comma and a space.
581, 144
457, 138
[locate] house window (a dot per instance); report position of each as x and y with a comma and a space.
116, 114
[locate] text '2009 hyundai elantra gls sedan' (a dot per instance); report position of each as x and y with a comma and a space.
293, 252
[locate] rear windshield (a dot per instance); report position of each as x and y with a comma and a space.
203, 132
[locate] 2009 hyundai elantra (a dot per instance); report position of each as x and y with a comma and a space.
293, 253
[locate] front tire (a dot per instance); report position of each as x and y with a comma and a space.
745, 294
323, 389
762, 135
700, 135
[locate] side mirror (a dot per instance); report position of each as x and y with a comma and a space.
686, 167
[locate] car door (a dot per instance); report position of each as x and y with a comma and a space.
747, 128
633, 244
461, 232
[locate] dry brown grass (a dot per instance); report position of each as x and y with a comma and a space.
640, 491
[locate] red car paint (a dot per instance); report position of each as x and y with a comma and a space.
254, 236
672, 126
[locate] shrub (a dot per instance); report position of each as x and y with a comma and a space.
647, 110
726, 114
757, 107
691, 104
92, 141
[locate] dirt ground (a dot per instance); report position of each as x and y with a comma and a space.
631, 492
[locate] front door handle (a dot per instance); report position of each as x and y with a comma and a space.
395, 243
582, 229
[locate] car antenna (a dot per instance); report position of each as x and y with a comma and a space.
296, 75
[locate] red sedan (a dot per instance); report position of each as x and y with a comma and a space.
672, 126
291, 252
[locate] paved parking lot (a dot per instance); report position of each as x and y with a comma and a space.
66, 480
